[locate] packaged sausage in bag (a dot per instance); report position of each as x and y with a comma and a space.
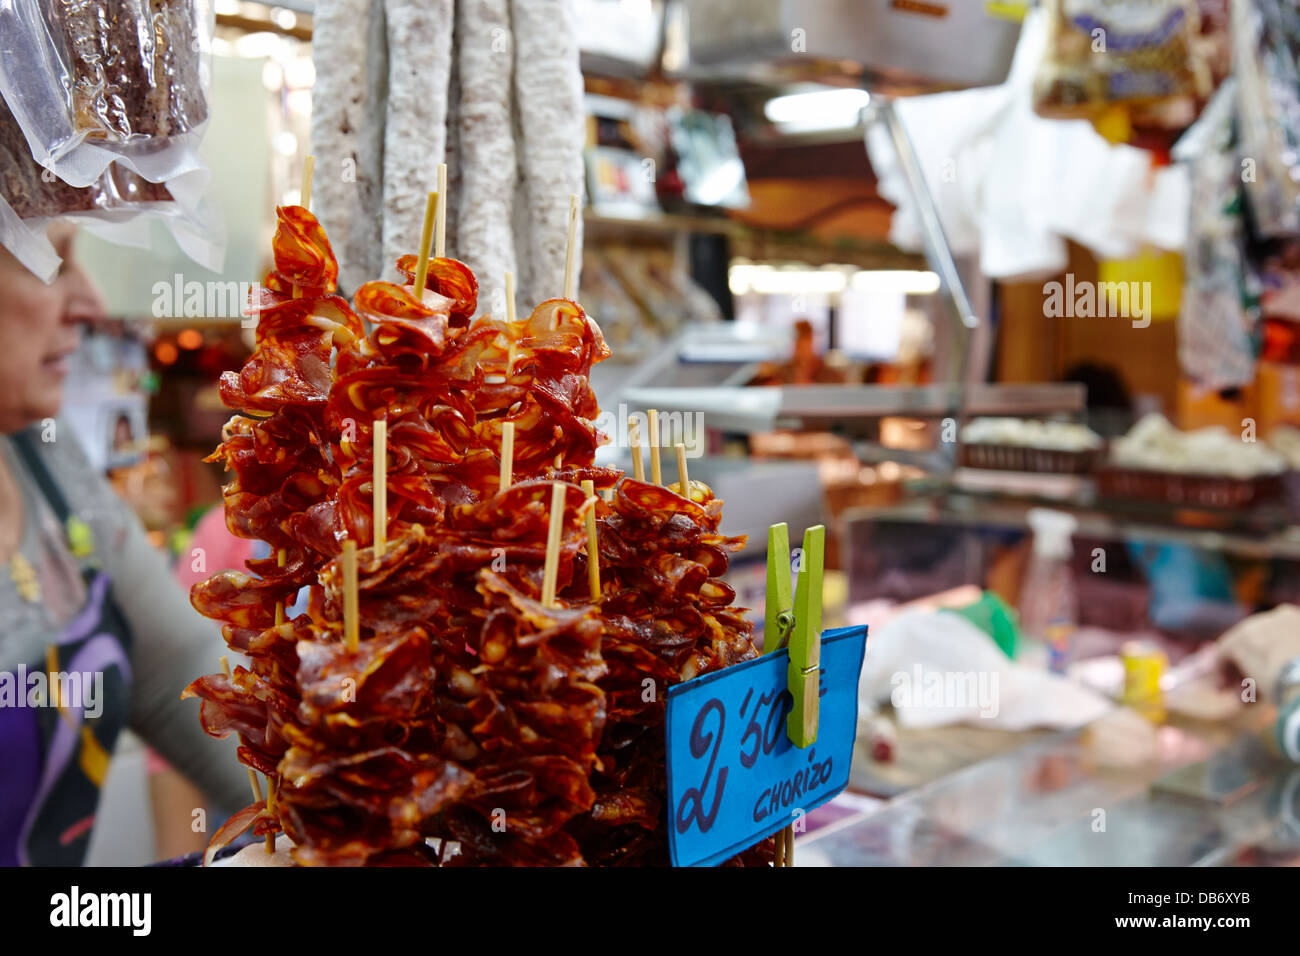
117, 206
92, 82
104, 104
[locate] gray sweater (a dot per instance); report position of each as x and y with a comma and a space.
172, 643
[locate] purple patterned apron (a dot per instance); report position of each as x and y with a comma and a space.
56, 758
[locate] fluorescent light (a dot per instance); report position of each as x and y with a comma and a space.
745, 277
767, 280
818, 110
906, 281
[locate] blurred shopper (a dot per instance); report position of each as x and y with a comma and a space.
96, 636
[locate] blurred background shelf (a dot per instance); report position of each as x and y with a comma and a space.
932, 501
843, 407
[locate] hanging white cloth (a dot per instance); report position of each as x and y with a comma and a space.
1014, 186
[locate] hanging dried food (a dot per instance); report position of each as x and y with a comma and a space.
471, 722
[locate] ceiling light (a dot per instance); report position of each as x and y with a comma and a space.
767, 280
906, 281
825, 109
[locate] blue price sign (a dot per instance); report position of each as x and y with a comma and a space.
734, 777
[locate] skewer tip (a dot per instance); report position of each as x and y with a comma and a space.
652, 420
308, 168
507, 454
571, 252
440, 235
593, 545
351, 597
551, 568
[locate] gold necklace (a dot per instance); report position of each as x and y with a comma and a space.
21, 571
24, 577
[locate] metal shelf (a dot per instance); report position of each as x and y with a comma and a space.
842, 406
936, 502
656, 223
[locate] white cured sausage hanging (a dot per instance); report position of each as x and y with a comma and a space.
485, 147
415, 135
548, 104
347, 127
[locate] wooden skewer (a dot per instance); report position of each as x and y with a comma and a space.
656, 474
440, 237
784, 847
683, 476
426, 237
571, 251
379, 490
252, 774
507, 454
308, 167
551, 569
351, 599
279, 605
270, 808
593, 548
634, 439
510, 318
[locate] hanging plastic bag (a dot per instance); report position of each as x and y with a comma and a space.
1266, 48
92, 82
1218, 339
118, 207
1105, 53
104, 104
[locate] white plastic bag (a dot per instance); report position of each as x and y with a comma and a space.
1015, 186
936, 668
118, 208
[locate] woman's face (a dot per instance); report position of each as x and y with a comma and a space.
39, 331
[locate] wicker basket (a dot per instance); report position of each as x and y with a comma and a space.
1191, 490
1024, 458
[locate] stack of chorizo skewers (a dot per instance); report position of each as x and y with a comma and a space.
489, 687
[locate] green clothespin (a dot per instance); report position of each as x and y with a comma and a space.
797, 624
778, 608
806, 642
